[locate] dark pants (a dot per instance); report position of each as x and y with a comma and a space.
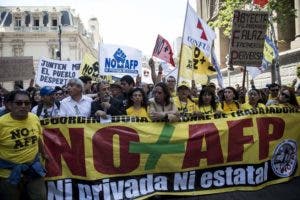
33, 189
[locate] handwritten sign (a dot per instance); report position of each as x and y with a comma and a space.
56, 73
247, 38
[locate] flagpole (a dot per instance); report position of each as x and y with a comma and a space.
187, 4
275, 64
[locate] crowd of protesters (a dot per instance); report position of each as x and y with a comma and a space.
164, 101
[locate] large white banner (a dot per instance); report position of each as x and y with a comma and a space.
119, 60
55, 72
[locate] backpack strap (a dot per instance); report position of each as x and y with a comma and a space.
39, 109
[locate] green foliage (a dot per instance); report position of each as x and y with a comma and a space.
284, 9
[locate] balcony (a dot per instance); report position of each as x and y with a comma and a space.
40, 29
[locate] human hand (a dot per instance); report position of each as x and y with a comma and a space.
160, 69
101, 113
173, 118
151, 63
105, 105
157, 115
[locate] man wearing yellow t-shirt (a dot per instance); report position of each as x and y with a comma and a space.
20, 145
184, 101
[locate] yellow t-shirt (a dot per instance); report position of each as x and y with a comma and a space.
19, 139
232, 107
142, 112
248, 106
298, 99
209, 109
188, 107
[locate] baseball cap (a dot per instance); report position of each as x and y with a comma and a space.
46, 90
183, 85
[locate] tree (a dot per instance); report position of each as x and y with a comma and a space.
282, 11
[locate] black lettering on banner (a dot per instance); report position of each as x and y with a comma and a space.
44, 71
76, 66
52, 80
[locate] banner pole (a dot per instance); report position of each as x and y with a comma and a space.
244, 77
180, 55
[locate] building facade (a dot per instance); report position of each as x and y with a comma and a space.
35, 31
288, 37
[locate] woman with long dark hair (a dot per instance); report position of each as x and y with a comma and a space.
161, 107
137, 103
230, 103
207, 102
286, 98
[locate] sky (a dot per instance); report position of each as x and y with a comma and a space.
134, 23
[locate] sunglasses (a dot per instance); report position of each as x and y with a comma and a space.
20, 103
285, 95
274, 90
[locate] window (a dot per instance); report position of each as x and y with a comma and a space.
54, 22
17, 50
17, 21
36, 22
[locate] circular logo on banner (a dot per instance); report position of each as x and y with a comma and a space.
284, 159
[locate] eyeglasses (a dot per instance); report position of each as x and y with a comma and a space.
285, 95
20, 103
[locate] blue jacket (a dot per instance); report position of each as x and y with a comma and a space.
18, 169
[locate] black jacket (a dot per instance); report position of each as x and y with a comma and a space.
116, 107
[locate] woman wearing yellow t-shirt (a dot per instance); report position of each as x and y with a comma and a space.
207, 102
230, 104
137, 104
254, 98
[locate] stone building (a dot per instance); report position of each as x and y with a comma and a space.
34, 31
288, 37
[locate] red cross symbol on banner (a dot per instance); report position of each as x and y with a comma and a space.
203, 35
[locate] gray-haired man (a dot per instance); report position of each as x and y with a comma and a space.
76, 104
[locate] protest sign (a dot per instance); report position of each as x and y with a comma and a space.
90, 67
16, 68
119, 60
55, 72
247, 38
